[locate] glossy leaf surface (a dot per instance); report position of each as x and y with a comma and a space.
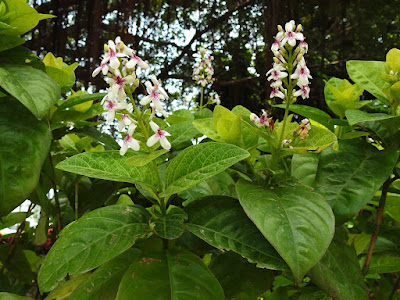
199, 162
169, 275
109, 165
24, 146
32, 87
221, 222
350, 177
296, 221
92, 240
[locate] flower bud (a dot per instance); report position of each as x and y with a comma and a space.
299, 28
106, 48
280, 28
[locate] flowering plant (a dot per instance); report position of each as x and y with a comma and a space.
230, 192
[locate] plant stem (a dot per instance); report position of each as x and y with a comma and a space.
14, 238
54, 185
395, 286
201, 98
379, 215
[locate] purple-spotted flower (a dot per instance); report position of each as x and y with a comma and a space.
118, 83
129, 141
103, 68
112, 55
159, 135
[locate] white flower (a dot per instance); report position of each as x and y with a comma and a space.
277, 93
306, 123
136, 60
112, 56
275, 45
286, 143
302, 73
159, 135
118, 83
125, 121
276, 72
290, 35
103, 67
129, 142
304, 46
304, 92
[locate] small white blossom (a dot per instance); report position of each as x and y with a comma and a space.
159, 135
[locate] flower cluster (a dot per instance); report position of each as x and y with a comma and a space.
288, 57
203, 71
119, 65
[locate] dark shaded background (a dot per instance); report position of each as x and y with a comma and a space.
238, 32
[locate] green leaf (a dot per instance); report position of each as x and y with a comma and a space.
103, 283
92, 240
199, 162
32, 87
304, 167
221, 222
9, 296
357, 116
169, 275
206, 127
140, 160
392, 206
350, 177
239, 279
338, 273
220, 184
382, 263
182, 133
310, 112
228, 125
296, 221
21, 17
318, 139
64, 289
109, 165
12, 219
72, 101
24, 146
367, 75
10, 42
169, 226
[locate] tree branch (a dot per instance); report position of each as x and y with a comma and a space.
198, 34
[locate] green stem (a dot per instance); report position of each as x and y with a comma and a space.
201, 98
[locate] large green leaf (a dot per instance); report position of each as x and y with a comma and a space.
109, 165
103, 283
64, 289
142, 159
221, 222
392, 123
81, 99
350, 177
239, 279
182, 132
199, 162
338, 273
169, 275
310, 112
367, 75
32, 87
11, 219
206, 127
296, 221
169, 226
24, 146
21, 17
91, 241
304, 167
